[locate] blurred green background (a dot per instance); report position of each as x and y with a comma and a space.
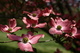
46, 47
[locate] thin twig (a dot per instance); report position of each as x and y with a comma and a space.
45, 41
6, 41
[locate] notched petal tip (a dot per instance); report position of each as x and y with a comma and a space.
16, 29
25, 47
43, 35
14, 37
36, 38
12, 23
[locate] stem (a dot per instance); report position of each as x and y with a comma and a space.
57, 40
45, 41
6, 41
38, 42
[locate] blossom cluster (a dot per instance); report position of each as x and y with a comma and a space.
64, 29
25, 41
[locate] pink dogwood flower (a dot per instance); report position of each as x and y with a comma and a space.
34, 15
25, 41
46, 12
33, 23
60, 26
75, 33
72, 32
11, 28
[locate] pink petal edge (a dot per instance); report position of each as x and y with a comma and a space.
14, 37
25, 47
35, 38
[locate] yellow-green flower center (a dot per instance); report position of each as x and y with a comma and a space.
59, 27
9, 29
25, 40
33, 14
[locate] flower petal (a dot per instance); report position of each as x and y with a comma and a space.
12, 23
54, 31
15, 29
29, 35
33, 18
35, 38
25, 47
74, 30
14, 37
77, 35
24, 20
46, 14
52, 22
28, 26
41, 25
4, 28
29, 22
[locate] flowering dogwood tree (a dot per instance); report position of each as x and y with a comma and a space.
59, 18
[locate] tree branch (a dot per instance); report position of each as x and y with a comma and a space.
45, 41
6, 41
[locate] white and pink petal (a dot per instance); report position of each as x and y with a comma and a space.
29, 35
33, 18
14, 37
25, 47
24, 20
55, 31
12, 23
36, 38
4, 28
15, 29
40, 25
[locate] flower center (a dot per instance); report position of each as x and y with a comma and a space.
9, 29
59, 27
25, 40
33, 14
